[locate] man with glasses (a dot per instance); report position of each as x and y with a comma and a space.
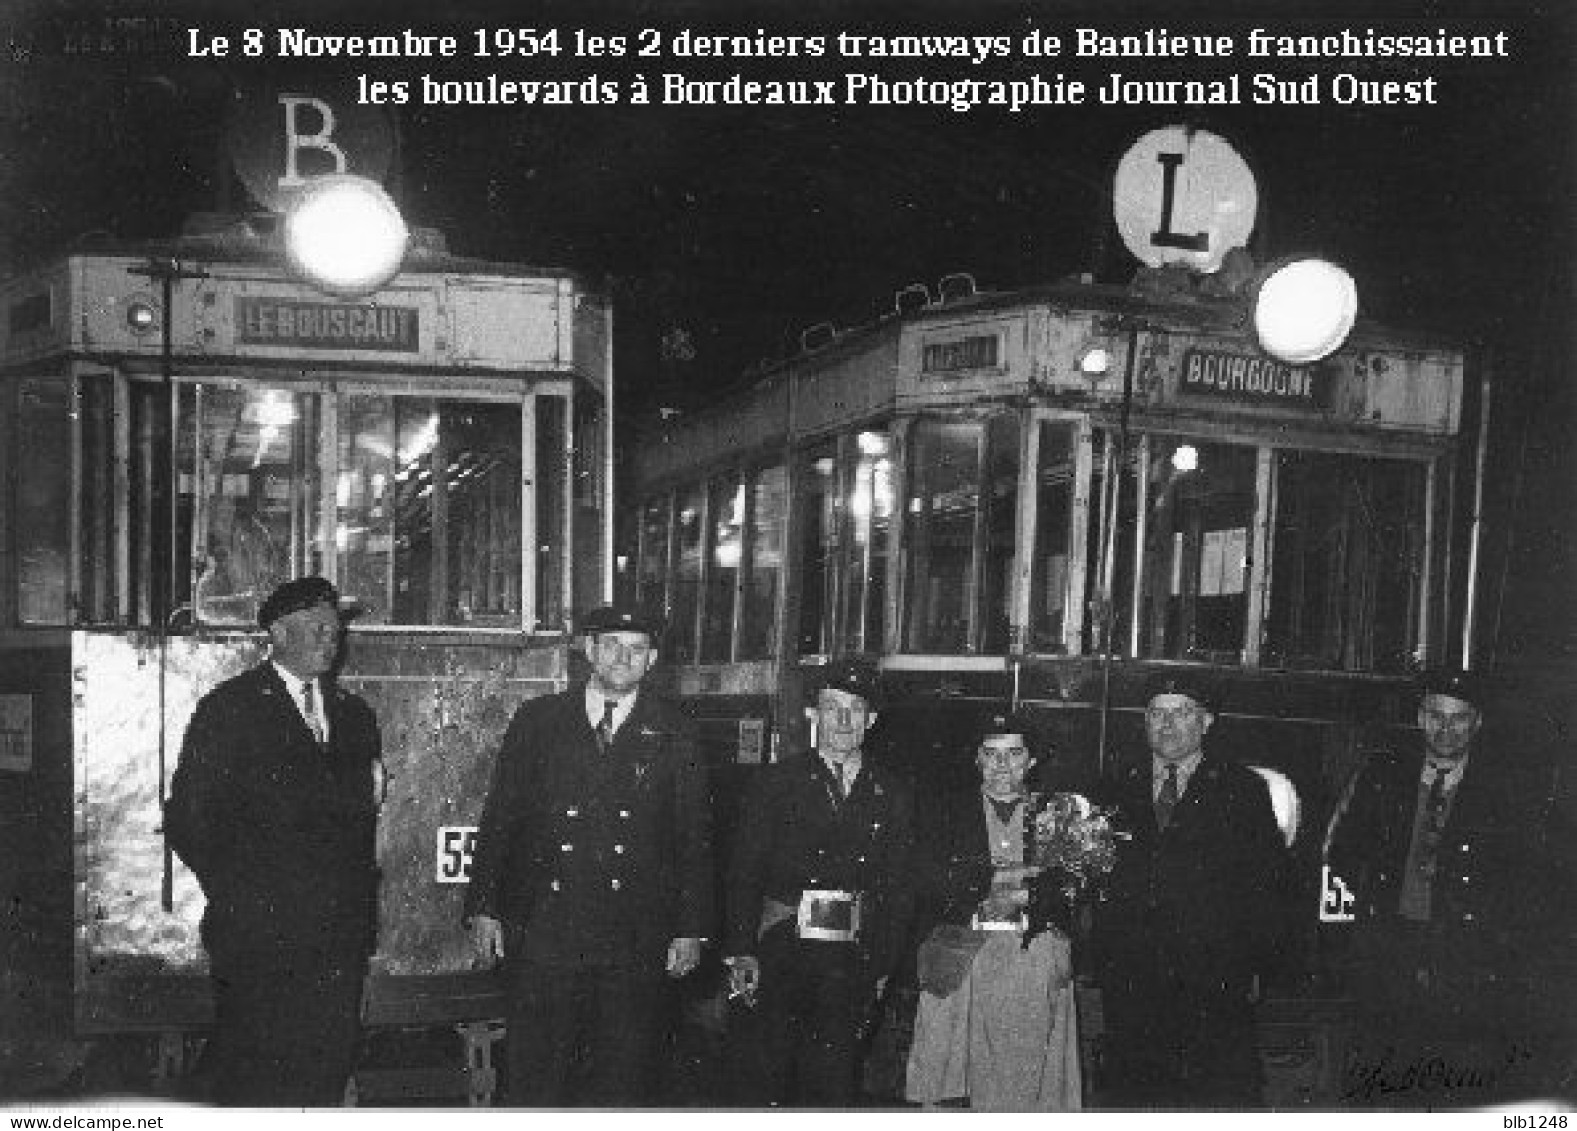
817, 904
1432, 892
593, 874
1196, 907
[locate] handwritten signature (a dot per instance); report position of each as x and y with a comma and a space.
1391, 1074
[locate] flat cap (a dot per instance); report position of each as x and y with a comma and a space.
853, 676
620, 618
1454, 682
303, 593
1195, 685
998, 723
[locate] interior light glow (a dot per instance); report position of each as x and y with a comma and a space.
1305, 310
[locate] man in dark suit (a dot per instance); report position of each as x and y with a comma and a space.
593, 874
818, 904
273, 807
1195, 908
1434, 889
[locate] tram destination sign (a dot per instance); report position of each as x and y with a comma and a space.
1237, 377
326, 325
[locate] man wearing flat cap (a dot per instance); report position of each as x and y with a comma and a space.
272, 806
593, 878
1196, 907
1432, 886
817, 903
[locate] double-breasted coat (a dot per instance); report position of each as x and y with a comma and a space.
590, 857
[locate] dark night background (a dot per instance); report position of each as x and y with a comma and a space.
722, 233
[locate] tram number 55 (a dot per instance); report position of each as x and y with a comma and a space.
456, 843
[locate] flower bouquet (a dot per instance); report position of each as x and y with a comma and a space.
1072, 844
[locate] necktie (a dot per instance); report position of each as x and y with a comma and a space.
1004, 809
1435, 807
309, 708
1166, 800
605, 728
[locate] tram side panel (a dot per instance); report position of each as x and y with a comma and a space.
441, 709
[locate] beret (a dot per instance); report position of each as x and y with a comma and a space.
1194, 685
301, 593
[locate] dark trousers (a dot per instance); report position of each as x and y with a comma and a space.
800, 1044
287, 1028
582, 1036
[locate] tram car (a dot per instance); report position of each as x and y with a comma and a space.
440, 449
1037, 500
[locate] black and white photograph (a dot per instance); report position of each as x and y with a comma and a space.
674, 556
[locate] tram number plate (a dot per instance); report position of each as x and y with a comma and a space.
456, 843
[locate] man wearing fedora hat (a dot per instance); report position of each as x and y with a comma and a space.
1196, 907
593, 873
272, 806
817, 903
1432, 889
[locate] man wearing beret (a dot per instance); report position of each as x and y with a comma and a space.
1196, 907
272, 806
817, 904
1432, 892
593, 874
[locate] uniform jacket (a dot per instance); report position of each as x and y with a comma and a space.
607, 854
1482, 877
794, 833
1192, 913
280, 832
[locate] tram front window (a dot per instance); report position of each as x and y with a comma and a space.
959, 525
768, 524
1195, 596
427, 509
1345, 584
1054, 482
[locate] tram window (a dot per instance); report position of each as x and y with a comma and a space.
1347, 560
552, 441
652, 569
818, 544
764, 564
687, 574
40, 522
427, 506
724, 549
590, 464
1106, 630
1053, 533
246, 497
870, 527
960, 529
1195, 594
96, 401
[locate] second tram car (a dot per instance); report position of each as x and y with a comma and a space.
1037, 499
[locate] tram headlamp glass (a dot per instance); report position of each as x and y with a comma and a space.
141, 316
1304, 310
1185, 457
345, 236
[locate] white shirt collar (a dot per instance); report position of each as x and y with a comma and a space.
596, 701
850, 768
1185, 771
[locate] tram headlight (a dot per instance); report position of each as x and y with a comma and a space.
1304, 310
1185, 457
142, 316
345, 236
